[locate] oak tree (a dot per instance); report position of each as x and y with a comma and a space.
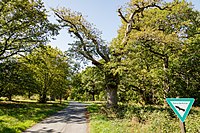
23, 26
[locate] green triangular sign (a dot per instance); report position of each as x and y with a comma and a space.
181, 106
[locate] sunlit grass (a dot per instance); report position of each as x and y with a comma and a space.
140, 119
15, 117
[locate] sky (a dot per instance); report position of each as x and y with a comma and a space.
102, 13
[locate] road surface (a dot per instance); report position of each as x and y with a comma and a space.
70, 120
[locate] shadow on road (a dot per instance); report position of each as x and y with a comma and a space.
74, 114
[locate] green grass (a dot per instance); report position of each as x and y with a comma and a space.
140, 119
15, 117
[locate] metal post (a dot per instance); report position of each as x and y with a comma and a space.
182, 126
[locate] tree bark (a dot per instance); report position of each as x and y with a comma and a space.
112, 98
43, 95
111, 89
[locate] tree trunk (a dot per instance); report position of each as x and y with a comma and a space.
112, 98
166, 79
93, 99
43, 98
29, 94
52, 97
60, 98
10, 97
43, 95
93, 92
111, 89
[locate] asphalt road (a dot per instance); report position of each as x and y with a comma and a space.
70, 120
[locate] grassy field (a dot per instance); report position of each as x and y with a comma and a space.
140, 119
15, 117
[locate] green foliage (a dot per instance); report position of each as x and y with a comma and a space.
15, 117
45, 72
94, 108
89, 44
11, 78
156, 57
92, 81
186, 75
136, 118
88, 84
50, 69
23, 26
153, 44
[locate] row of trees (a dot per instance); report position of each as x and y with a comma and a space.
27, 66
43, 72
155, 55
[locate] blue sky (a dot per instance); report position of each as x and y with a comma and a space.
102, 13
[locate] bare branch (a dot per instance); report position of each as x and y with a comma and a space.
121, 15
135, 88
161, 7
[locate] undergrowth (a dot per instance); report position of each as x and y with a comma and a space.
140, 119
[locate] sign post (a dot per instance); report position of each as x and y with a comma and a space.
182, 126
181, 107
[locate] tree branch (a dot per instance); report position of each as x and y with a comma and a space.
121, 15
11, 54
151, 49
96, 43
98, 50
131, 20
85, 52
136, 88
95, 62
6, 45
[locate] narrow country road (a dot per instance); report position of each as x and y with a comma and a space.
70, 120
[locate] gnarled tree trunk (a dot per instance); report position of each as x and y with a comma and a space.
111, 89
112, 98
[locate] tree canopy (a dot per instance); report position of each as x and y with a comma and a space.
148, 51
154, 56
23, 26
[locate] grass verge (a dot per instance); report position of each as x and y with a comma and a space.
140, 119
15, 117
